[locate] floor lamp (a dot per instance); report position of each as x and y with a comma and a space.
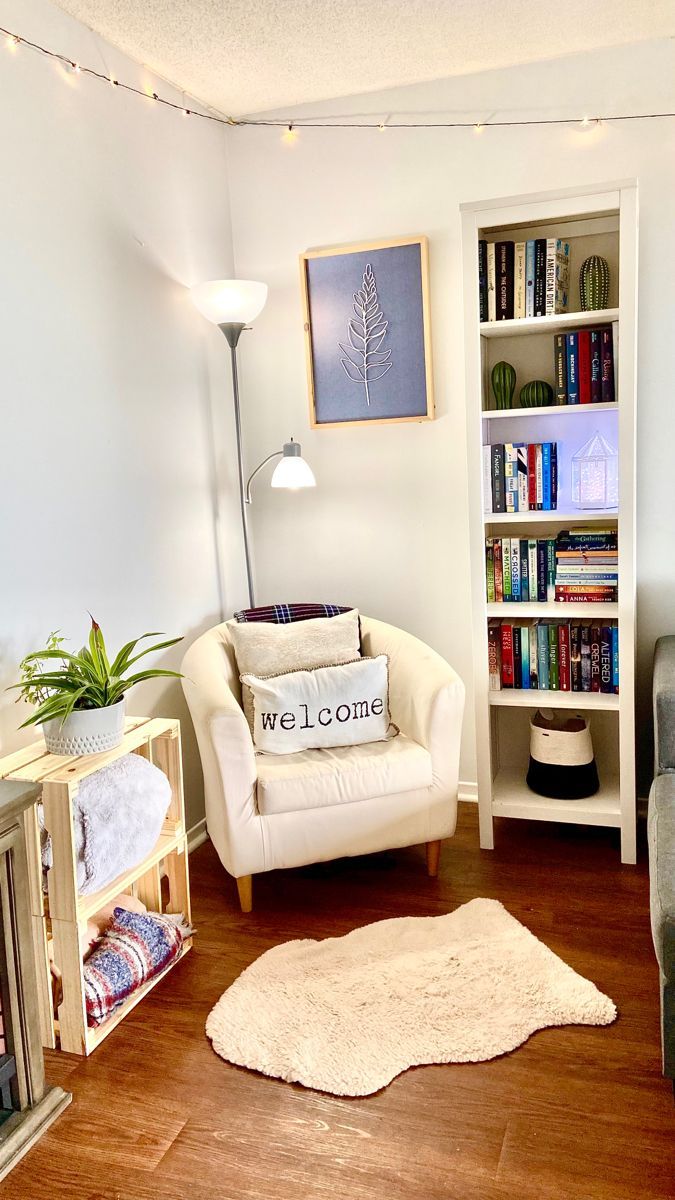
232, 304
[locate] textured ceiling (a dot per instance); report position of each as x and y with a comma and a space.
246, 56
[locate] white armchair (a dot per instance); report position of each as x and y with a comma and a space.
268, 811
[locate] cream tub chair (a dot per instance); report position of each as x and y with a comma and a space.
267, 811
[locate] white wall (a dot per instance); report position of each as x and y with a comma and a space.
108, 208
386, 528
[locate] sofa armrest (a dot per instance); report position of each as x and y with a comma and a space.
661, 837
664, 705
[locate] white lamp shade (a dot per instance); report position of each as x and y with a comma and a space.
293, 472
230, 301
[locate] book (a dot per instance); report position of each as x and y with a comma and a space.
595, 658
519, 286
542, 655
529, 278
554, 474
541, 570
504, 275
615, 658
490, 570
575, 657
587, 539
584, 344
606, 659
560, 368
549, 302
487, 479
517, 657
511, 476
564, 667
553, 672
482, 280
532, 475
532, 568
607, 365
585, 658
491, 283
498, 495
546, 476
539, 477
515, 569
550, 569
523, 489
596, 367
540, 277
499, 573
534, 672
506, 569
572, 347
525, 678
580, 598
506, 635
524, 571
562, 276
494, 655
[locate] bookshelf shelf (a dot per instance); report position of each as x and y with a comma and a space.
594, 221
581, 701
552, 410
510, 800
554, 608
553, 517
556, 324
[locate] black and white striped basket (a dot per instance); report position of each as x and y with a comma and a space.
562, 765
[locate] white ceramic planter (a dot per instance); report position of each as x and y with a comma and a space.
86, 732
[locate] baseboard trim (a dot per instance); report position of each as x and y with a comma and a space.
468, 792
197, 835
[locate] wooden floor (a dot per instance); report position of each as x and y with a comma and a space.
575, 1114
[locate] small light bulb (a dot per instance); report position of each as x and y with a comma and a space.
382, 127
290, 136
113, 81
478, 127
13, 41
186, 112
585, 123
76, 67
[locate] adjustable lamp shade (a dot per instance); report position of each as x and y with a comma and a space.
230, 301
292, 471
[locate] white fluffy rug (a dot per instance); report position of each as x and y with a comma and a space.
346, 1015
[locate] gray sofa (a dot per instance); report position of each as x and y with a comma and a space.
661, 831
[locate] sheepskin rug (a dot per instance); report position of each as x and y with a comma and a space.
347, 1015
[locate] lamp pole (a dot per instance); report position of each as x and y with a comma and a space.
232, 331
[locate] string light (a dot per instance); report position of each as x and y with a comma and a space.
290, 134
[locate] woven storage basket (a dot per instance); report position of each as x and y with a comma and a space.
562, 765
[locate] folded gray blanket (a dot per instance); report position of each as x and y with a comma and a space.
118, 814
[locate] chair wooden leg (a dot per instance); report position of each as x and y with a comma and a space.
433, 855
245, 889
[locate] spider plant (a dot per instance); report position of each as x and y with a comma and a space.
61, 683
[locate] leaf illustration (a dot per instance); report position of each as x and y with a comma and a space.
364, 361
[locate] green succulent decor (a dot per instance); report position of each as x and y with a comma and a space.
60, 683
503, 384
594, 283
536, 394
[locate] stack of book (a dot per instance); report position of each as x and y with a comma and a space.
519, 477
523, 279
520, 569
553, 656
586, 565
584, 366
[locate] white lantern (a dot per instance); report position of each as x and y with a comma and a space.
595, 474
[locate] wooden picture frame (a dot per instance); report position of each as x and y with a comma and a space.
367, 332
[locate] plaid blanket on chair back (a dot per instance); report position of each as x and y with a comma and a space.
284, 614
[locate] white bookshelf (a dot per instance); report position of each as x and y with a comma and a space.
594, 222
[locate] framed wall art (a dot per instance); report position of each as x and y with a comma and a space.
368, 333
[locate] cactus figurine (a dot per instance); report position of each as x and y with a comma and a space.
503, 383
536, 394
594, 283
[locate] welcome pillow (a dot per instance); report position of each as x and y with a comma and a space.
342, 705
263, 648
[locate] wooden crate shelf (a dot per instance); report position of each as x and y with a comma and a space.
61, 916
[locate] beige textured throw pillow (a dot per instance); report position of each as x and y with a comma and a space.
345, 705
263, 648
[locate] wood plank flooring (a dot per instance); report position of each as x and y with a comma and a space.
575, 1114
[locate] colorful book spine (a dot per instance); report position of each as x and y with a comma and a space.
564, 666
554, 474
519, 287
523, 489
490, 570
550, 569
562, 276
541, 570
539, 477
491, 283
585, 658
542, 656
615, 658
532, 476
524, 571
517, 657
515, 569
499, 572
534, 668
595, 658
506, 568
560, 368
504, 268
525, 680
532, 568
606, 659
607, 366
553, 679
572, 347
482, 280
511, 476
494, 656
506, 633
529, 278
596, 367
498, 493
575, 657
546, 476
540, 277
584, 336
551, 247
